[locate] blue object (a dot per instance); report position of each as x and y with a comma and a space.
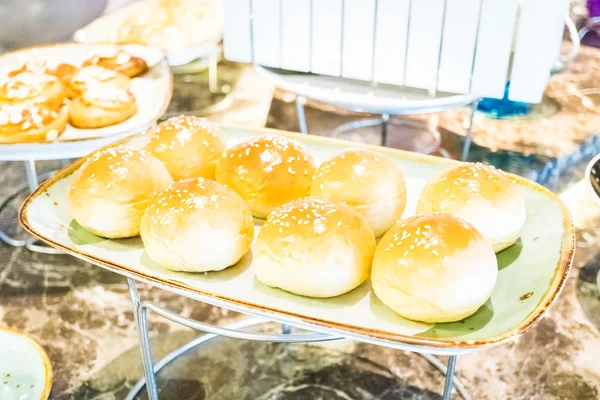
502, 108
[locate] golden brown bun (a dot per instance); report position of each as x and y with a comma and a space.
21, 123
197, 225
122, 62
100, 107
370, 182
314, 247
188, 146
267, 171
93, 76
481, 195
62, 71
111, 190
434, 268
33, 88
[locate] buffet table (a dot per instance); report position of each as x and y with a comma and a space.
82, 316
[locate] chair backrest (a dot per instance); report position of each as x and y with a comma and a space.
457, 46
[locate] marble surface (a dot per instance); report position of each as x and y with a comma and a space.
82, 316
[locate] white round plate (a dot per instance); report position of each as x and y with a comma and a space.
102, 30
363, 96
152, 91
25, 370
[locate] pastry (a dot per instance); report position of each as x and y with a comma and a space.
122, 62
267, 171
188, 146
31, 122
434, 268
197, 225
102, 106
62, 71
32, 87
92, 76
481, 195
370, 182
109, 193
314, 247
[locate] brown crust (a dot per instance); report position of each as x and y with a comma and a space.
561, 271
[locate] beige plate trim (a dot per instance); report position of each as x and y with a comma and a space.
560, 274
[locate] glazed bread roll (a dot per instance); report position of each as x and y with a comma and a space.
31, 123
122, 62
370, 182
102, 106
30, 87
481, 195
188, 146
434, 268
267, 171
314, 247
93, 76
111, 190
197, 225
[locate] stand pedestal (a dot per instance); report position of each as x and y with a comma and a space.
237, 331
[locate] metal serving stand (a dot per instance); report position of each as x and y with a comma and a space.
239, 330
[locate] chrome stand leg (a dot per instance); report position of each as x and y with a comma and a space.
213, 60
32, 179
449, 377
469, 136
385, 118
301, 116
141, 320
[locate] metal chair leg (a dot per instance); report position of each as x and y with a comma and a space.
301, 116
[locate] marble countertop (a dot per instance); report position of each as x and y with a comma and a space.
82, 316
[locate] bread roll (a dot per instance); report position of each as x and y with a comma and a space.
120, 61
314, 247
188, 146
33, 88
267, 171
370, 182
111, 190
95, 76
102, 106
197, 225
434, 268
21, 123
481, 195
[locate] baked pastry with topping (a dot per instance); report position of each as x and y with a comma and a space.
102, 106
62, 71
197, 225
483, 196
434, 268
370, 182
93, 76
122, 62
32, 87
109, 193
188, 146
314, 247
31, 122
267, 171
